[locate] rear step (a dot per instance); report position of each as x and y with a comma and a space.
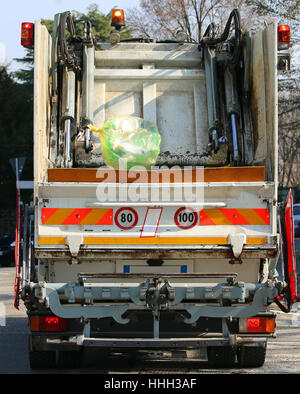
158, 342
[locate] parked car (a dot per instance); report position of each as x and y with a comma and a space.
296, 213
7, 250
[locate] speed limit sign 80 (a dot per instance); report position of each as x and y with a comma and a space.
186, 218
126, 218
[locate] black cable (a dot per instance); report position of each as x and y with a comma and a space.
210, 27
234, 15
209, 40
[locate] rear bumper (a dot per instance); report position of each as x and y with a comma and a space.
42, 342
209, 251
195, 298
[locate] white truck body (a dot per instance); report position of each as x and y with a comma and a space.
93, 263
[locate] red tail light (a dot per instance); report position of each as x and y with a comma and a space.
27, 35
284, 37
257, 324
47, 323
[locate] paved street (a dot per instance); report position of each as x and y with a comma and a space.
283, 354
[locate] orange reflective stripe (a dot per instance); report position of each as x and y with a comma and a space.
264, 215
151, 241
256, 241
52, 240
75, 216
79, 216
234, 216
99, 217
155, 241
219, 217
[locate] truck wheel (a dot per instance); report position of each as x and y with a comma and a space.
221, 356
251, 356
70, 359
42, 359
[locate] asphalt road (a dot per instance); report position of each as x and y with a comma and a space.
283, 355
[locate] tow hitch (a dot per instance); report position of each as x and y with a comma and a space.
157, 297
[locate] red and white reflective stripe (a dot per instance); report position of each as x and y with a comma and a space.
151, 222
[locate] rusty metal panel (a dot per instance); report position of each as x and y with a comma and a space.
258, 100
223, 252
264, 99
42, 49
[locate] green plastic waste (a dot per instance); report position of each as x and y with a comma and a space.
129, 141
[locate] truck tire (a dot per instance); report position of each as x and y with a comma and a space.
70, 359
42, 359
251, 356
221, 356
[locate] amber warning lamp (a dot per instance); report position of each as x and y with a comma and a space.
27, 35
284, 37
117, 18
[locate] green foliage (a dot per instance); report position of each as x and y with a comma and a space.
25, 75
16, 127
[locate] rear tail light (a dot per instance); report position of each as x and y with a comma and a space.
284, 37
27, 35
257, 325
47, 323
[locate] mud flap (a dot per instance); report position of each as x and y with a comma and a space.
288, 255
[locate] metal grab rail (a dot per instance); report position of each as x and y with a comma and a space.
206, 275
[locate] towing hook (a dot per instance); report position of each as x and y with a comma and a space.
157, 294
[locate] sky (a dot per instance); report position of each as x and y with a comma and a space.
14, 12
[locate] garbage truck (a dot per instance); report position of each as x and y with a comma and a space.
118, 254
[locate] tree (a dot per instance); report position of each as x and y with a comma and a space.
285, 9
16, 133
289, 126
161, 19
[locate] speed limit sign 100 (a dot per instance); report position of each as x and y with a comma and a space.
126, 218
186, 218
